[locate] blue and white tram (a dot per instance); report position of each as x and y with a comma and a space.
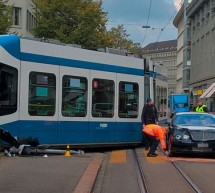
64, 95
161, 91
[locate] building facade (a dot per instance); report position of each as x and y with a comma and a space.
202, 75
24, 19
182, 23
164, 53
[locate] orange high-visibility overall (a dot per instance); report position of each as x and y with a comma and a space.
156, 131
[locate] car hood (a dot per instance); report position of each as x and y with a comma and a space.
201, 128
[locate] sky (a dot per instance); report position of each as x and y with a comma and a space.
133, 14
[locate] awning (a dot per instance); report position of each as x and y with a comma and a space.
209, 91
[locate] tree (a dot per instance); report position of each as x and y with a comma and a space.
5, 17
75, 22
118, 38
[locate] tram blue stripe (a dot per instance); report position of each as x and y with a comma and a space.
63, 132
79, 64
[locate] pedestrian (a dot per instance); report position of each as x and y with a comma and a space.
154, 134
149, 113
201, 108
149, 116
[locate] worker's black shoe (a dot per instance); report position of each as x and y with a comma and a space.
151, 155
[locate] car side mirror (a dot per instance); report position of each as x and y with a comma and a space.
172, 114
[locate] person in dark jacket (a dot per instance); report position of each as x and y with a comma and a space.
149, 116
149, 113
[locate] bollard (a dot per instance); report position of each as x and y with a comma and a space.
67, 153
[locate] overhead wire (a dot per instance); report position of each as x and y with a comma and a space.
147, 22
168, 22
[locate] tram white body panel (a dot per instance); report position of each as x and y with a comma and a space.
59, 61
67, 52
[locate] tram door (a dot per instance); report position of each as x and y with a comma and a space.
39, 102
130, 102
73, 106
102, 88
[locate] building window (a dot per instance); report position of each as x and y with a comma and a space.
31, 22
17, 16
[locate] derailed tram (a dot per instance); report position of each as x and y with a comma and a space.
63, 95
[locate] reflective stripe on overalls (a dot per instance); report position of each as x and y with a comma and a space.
200, 109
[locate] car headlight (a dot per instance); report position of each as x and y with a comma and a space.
181, 134
185, 137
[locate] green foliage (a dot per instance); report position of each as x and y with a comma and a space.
118, 38
5, 16
77, 21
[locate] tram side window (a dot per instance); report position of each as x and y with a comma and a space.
74, 96
42, 94
8, 89
128, 99
103, 98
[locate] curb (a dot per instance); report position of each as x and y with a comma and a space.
86, 183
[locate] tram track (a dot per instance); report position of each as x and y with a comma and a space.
183, 174
140, 174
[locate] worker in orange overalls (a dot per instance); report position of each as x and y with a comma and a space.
154, 134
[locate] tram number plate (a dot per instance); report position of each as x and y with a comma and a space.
202, 145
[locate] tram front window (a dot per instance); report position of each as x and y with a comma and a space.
8, 89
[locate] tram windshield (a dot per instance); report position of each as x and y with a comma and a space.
8, 89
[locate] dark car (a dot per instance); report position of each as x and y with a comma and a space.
191, 132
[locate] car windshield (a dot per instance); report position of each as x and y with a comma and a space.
195, 119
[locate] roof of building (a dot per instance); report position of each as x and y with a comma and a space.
157, 47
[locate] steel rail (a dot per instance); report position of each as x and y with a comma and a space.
183, 174
140, 174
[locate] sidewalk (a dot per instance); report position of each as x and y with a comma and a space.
53, 174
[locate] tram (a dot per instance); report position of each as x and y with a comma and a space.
64, 95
